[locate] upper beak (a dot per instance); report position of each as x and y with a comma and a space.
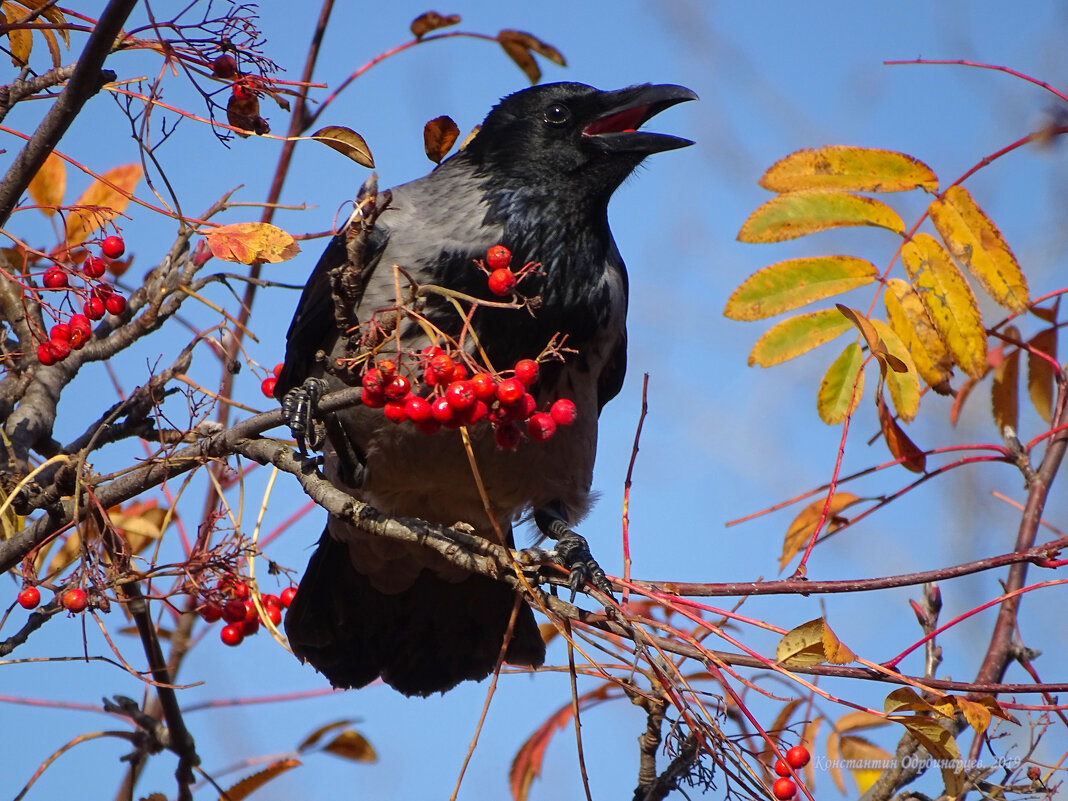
616, 129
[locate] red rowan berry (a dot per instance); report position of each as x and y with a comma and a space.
224, 66
498, 257
564, 412
75, 600
94, 267
541, 426
29, 597
797, 757
287, 596
784, 789
55, 278
502, 282
507, 436
268, 385
394, 411
510, 391
94, 308
526, 370
231, 634
115, 304
417, 409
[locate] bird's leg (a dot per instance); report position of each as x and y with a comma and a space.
300, 407
572, 551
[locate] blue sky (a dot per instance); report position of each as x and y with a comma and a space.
722, 440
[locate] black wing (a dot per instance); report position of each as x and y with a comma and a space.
313, 323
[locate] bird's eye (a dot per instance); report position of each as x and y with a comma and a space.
557, 114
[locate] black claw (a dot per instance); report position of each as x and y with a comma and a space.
573, 553
299, 408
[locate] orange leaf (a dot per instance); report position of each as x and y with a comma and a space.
49, 185
431, 21
104, 200
439, 135
898, 441
250, 784
859, 169
247, 243
803, 526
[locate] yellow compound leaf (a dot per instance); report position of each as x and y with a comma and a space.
247, 243
1005, 389
796, 214
250, 784
102, 202
904, 385
803, 526
863, 758
812, 643
1041, 374
842, 386
976, 242
857, 169
346, 142
949, 301
797, 335
794, 283
898, 441
49, 185
909, 320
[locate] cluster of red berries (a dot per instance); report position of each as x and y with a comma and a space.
457, 400
73, 334
73, 600
269, 383
233, 603
784, 787
498, 267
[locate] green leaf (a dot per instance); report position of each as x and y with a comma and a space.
837, 399
796, 214
794, 283
797, 335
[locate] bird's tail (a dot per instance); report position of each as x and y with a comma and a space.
423, 640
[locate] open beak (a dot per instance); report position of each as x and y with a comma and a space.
616, 129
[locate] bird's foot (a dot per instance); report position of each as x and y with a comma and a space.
573, 553
300, 407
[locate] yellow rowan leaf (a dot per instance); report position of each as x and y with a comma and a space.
857, 721
866, 761
104, 200
909, 320
834, 759
247, 243
1005, 388
20, 38
976, 242
10, 522
842, 386
857, 169
796, 335
796, 282
250, 784
949, 301
808, 739
794, 214
812, 643
1041, 374
802, 526
49, 185
904, 385
346, 142
906, 699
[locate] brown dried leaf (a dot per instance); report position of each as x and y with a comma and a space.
518, 51
104, 200
250, 784
432, 21
346, 142
808, 739
812, 643
247, 243
353, 746
871, 336
536, 45
1005, 389
898, 441
858, 721
834, 760
312, 740
439, 135
800, 530
49, 185
1041, 374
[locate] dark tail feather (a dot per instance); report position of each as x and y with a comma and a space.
424, 640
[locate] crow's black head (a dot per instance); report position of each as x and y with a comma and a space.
573, 134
